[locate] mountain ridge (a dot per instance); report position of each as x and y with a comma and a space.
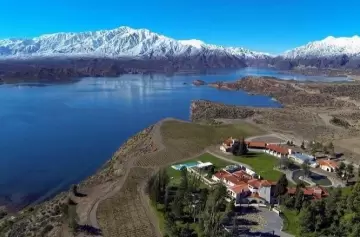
119, 42
139, 47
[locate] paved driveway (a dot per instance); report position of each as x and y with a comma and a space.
274, 223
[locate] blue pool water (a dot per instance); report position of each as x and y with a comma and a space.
55, 135
187, 165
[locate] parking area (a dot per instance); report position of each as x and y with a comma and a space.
259, 222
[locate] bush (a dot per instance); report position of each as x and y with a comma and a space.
46, 230
340, 122
3, 213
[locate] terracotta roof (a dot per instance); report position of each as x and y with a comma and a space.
241, 174
240, 188
279, 149
234, 180
329, 163
254, 183
317, 192
267, 183
221, 174
256, 144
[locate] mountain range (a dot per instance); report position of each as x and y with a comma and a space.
124, 50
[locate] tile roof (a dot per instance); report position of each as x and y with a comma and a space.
267, 183
221, 174
256, 144
277, 148
241, 174
254, 183
234, 180
317, 192
240, 188
329, 163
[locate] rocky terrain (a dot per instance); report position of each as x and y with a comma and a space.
293, 92
65, 69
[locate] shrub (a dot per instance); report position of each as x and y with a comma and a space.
340, 122
46, 230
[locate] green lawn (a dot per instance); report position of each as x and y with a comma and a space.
263, 164
290, 221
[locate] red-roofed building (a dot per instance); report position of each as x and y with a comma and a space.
316, 192
241, 174
241, 186
239, 191
232, 180
277, 150
218, 176
328, 165
256, 145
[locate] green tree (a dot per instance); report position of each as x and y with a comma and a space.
355, 230
306, 220
349, 172
299, 199
186, 231
212, 216
288, 201
340, 171
306, 168
177, 206
170, 226
302, 145
281, 186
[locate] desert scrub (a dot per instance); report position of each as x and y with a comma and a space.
340, 122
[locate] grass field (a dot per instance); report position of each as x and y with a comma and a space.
262, 164
290, 221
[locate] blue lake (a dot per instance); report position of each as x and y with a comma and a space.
54, 135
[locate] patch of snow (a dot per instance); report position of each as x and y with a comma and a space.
328, 47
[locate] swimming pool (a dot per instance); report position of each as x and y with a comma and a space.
187, 165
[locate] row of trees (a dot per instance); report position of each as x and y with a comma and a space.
186, 204
345, 172
336, 215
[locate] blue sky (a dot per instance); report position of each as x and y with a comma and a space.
263, 25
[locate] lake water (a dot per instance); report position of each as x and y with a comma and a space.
54, 135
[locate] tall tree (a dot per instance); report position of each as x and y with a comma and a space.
299, 199
281, 186
171, 229
302, 146
306, 168
349, 172
340, 170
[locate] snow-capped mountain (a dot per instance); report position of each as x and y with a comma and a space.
120, 42
326, 48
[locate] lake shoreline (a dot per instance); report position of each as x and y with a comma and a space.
114, 98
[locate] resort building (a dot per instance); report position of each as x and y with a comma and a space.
239, 192
313, 193
277, 150
327, 165
244, 188
256, 145
228, 144
300, 158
